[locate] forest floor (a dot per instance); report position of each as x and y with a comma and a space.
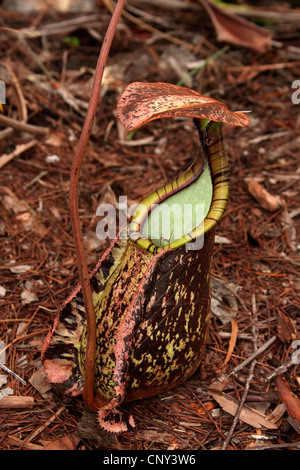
252, 345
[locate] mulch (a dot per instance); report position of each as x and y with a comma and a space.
256, 260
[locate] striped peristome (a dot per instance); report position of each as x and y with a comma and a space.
213, 149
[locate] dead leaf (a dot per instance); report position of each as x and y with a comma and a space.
88, 428
2, 291
224, 303
39, 381
68, 442
3, 381
286, 328
151, 435
220, 240
247, 414
28, 297
235, 30
22, 211
232, 342
55, 139
290, 400
5, 392
143, 102
277, 413
20, 268
207, 407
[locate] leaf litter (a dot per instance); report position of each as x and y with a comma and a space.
256, 261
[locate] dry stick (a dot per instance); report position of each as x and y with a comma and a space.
249, 378
11, 372
280, 370
292, 445
23, 108
23, 126
89, 372
254, 355
6, 133
34, 57
5, 158
16, 84
261, 68
19, 442
41, 428
141, 24
241, 404
66, 26
16, 401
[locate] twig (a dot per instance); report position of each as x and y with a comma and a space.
280, 370
276, 16
254, 355
89, 372
35, 57
169, 4
141, 24
6, 133
202, 65
15, 401
11, 372
19, 442
16, 84
18, 31
262, 67
5, 158
67, 26
241, 404
288, 445
22, 338
23, 126
44, 426
248, 382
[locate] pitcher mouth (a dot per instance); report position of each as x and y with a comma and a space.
196, 199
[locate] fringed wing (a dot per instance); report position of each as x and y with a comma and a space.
62, 349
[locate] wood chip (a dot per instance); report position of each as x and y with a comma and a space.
247, 414
14, 401
263, 197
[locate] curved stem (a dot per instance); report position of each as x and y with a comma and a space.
89, 372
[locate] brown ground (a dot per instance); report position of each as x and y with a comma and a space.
48, 81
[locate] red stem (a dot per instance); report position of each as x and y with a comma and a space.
89, 372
